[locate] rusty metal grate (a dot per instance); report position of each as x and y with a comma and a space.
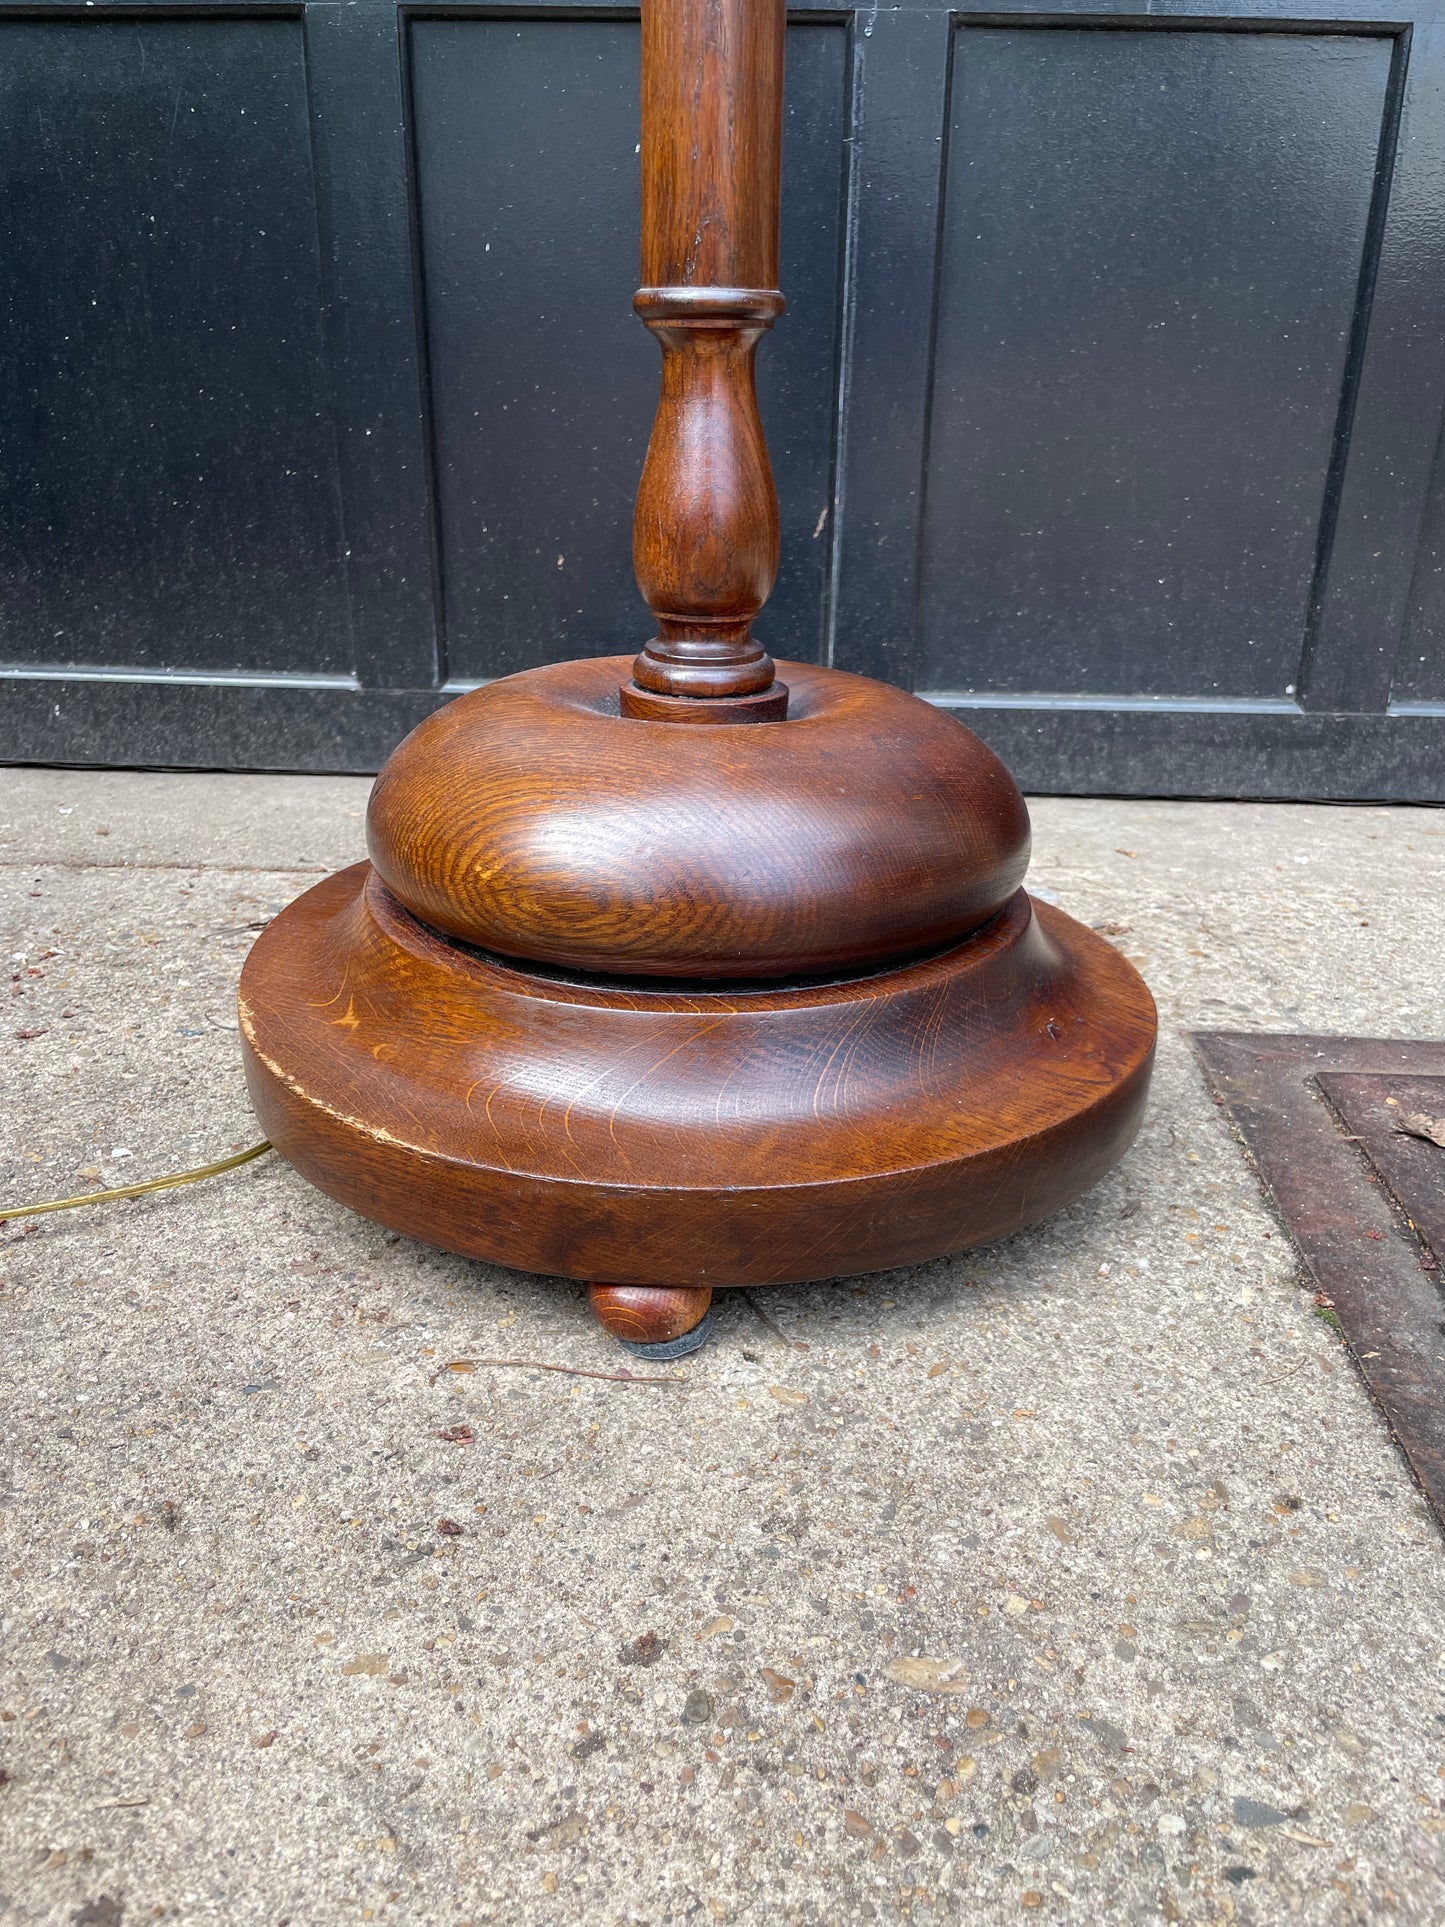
1363, 1200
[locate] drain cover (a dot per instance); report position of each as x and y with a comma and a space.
1363, 1199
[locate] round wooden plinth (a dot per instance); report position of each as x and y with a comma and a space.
705, 1136
534, 819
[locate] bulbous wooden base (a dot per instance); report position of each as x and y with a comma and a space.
535, 820
671, 1136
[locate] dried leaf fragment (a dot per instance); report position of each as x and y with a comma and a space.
373, 1663
1192, 1528
1431, 1129
1305, 1839
785, 1395
929, 1675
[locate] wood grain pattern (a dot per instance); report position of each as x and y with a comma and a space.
815, 1026
705, 535
768, 705
712, 142
648, 1314
531, 819
676, 1137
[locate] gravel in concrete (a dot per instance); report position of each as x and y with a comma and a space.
1075, 1579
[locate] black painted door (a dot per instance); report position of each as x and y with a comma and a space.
1106, 411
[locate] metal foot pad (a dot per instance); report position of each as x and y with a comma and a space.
672, 1347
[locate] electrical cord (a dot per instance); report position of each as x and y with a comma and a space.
139, 1190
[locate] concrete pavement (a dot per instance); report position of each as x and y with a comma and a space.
1076, 1579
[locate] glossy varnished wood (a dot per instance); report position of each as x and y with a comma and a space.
532, 819
768, 705
674, 1137
705, 535
812, 1024
648, 1314
712, 142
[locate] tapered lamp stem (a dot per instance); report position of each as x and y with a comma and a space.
705, 538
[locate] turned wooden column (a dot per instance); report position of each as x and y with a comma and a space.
705, 538
669, 1010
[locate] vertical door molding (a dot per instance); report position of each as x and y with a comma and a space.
899, 103
1390, 411
359, 140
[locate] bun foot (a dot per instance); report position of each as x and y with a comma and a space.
654, 1321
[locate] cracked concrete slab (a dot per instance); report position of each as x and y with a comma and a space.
1073, 1579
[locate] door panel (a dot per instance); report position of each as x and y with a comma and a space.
1420, 669
170, 492
1139, 369
529, 212
1106, 411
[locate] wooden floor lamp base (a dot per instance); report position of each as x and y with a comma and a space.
692, 969
684, 1138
